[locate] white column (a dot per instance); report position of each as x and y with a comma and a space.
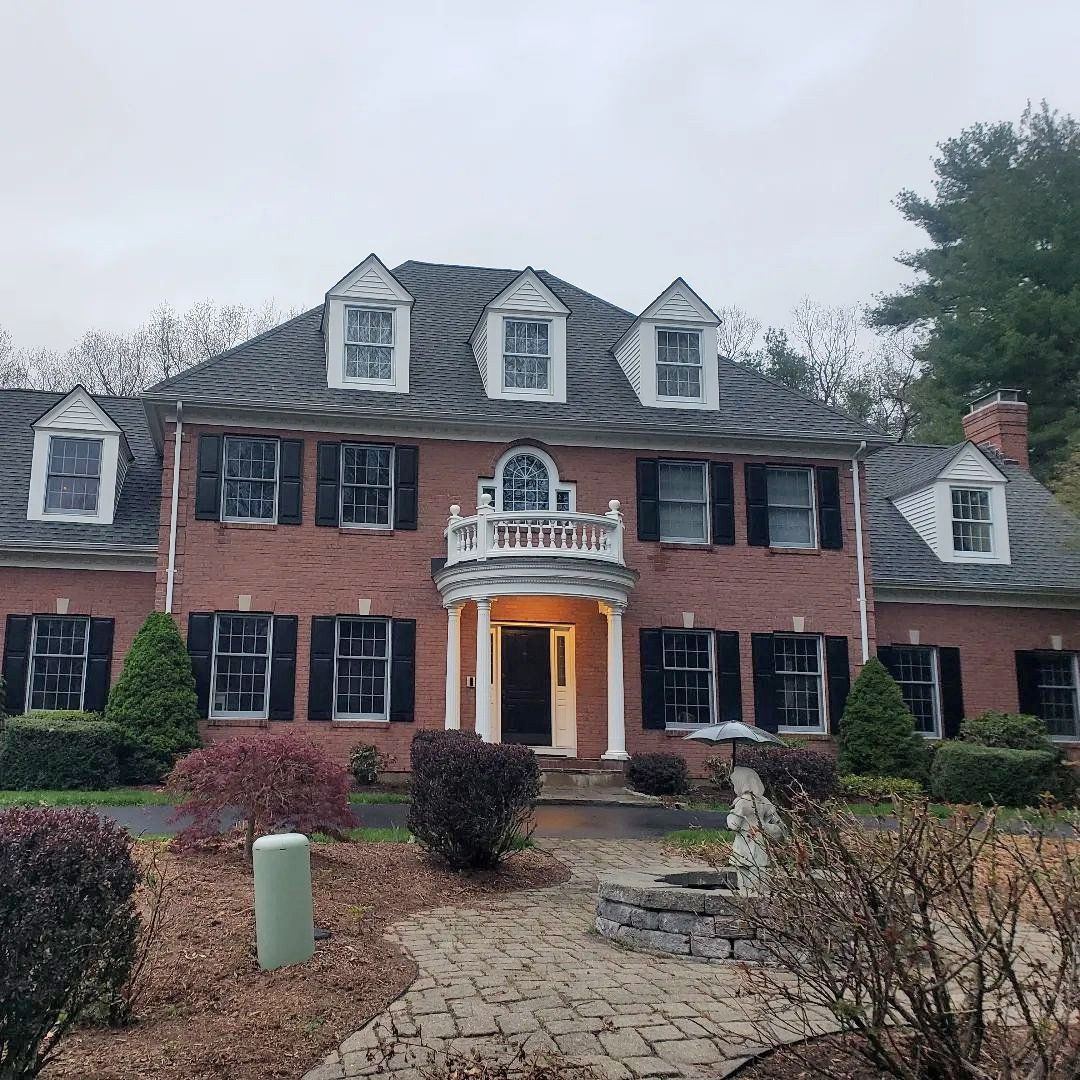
483, 669
616, 712
453, 666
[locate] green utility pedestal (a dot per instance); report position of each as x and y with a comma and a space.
284, 916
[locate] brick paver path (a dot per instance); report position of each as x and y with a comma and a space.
527, 968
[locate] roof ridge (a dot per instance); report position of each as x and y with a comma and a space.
464, 266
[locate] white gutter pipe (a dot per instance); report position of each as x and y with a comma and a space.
863, 618
170, 579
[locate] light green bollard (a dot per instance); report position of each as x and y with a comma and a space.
284, 915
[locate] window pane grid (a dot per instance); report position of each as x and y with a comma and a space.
972, 530
59, 663
1058, 700
366, 484
790, 494
369, 344
797, 663
250, 488
916, 674
362, 669
678, 363
241, 665
683, 501
74, 475
687, 658
526, 484
526, 355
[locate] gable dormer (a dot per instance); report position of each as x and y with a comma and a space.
669, 353
960, 512
366, 328
519, 342
80, 459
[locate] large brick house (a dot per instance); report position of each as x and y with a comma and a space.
488, 499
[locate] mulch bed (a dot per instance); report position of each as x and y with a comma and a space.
811, 1060
210, 1012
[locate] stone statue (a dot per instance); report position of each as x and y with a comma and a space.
751, 815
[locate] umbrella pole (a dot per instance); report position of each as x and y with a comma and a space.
734, 747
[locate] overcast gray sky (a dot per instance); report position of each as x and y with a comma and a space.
241, 151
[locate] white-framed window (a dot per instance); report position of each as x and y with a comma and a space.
240, 679
73, 475
249, 486
689, 678
1058, 683
362, 669
972, 524
800, 684
367, 487
792, 517
58, 662
917, 675
678, 364
684, 501
526, 355
527, 479
369, 344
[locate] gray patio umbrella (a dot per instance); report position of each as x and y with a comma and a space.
734, 732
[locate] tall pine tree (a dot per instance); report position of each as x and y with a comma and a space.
998, 289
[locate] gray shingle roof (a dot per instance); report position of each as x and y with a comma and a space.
287, 367
1044, 539
136, 520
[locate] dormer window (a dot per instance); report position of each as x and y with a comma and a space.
526, 355
369, 344
678, 364
74, 476
972, 528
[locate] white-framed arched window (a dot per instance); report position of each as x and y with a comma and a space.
527, 479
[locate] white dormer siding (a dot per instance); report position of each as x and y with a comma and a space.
367, 329
519, 342
79, 462
669, 355
962, 514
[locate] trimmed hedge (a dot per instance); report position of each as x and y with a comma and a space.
44, 752
787, 771
658, 774
969, 773
879, 789
472, 801
62, 714
1010, 731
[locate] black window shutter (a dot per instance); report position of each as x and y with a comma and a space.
200, 645
17, 632
403, 670
890, 657
406, 487
652, 678
98, 665
728, 675
1027, 682
208, 479
830, 521
321, 671
283, 668
838, 672
327, 500
761, 651
722, 492
952, 692
291, 483
757, 506
648, 500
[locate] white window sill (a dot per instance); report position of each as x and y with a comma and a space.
351, 720
801, 731
227, 718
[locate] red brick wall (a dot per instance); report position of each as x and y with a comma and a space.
126, 596
987, 638
307, 570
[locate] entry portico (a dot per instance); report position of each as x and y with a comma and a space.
509, 555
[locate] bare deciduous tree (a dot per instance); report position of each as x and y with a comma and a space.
829, 339
737, 333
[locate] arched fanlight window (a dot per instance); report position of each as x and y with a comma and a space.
526, 484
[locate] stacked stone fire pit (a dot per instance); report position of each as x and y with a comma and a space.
683, 914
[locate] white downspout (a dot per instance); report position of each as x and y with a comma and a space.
863, 621
170, 579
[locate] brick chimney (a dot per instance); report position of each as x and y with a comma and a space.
1000, 420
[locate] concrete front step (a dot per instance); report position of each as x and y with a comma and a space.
580, 777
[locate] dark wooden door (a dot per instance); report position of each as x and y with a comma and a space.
526, 685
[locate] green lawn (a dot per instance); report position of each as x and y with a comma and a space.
113, 797
379, 797
691, 839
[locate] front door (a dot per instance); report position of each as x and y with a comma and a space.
526, 685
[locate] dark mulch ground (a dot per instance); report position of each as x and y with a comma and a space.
211, 1013
811, 1060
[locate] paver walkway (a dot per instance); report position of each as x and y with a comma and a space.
526, 968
